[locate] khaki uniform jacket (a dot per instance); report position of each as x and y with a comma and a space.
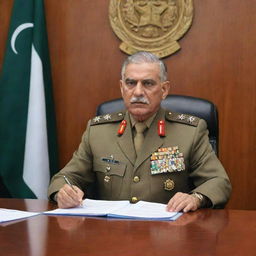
109, 161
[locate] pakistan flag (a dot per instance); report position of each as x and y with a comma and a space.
28, 150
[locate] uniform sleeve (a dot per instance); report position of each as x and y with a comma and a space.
79, 168
206, 172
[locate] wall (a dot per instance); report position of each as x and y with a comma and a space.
216, 62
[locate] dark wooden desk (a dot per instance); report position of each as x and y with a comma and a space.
202, 233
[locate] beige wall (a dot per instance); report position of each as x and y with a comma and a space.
217, 62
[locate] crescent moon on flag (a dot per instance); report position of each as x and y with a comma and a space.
16, 33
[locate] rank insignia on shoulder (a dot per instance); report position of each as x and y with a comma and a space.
107, 118
182, 118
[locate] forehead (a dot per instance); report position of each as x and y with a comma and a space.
142, 71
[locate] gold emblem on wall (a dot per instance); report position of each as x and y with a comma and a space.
150, 25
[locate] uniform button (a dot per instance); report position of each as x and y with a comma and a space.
134, 199
136, 179
107, 178
108, 168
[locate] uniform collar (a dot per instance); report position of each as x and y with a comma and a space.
147, 122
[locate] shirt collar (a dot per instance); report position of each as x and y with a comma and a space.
147, 122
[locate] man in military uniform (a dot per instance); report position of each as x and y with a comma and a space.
145, 153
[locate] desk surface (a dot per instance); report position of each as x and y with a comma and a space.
204, 232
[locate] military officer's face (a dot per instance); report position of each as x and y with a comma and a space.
142, 89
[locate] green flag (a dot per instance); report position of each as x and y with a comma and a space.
28, 150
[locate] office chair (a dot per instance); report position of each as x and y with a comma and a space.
182, 104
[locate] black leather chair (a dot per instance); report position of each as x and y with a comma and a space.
182, 104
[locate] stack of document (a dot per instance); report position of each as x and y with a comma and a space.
101, 208
119, 209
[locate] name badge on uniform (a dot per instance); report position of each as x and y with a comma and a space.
110, 160
167, 160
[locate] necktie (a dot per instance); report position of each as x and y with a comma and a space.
139, 137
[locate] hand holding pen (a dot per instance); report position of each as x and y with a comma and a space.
68, 182
69, 195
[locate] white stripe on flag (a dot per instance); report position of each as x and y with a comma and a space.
36, 173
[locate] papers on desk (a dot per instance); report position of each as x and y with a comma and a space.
119, 209
9, 215
97, 208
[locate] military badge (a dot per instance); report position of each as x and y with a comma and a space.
153, 25
169, 185
110, 160
107, 117
167, 160
96, 119
122, 127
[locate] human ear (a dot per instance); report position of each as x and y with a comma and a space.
121, 87
165, 89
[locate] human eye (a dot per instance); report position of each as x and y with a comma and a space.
148, 83
130, 82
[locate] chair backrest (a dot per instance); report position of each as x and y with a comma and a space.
182, 104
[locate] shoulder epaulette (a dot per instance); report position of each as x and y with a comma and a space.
182, 118
108, 118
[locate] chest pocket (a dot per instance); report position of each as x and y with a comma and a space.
109, 179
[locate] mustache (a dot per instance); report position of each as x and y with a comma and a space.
139, 100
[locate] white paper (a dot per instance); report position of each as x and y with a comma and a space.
9, 214
145, 210
91, 208
119, 209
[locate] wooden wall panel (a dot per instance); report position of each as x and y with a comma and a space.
216, 62
85, 65
5, 12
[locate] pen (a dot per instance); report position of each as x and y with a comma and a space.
68, 182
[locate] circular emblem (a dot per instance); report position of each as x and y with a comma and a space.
169, 185
152, 25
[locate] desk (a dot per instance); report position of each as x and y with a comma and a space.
201, 233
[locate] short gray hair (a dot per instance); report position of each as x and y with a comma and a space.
145, 57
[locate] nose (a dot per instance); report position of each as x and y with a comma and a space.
138, 90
